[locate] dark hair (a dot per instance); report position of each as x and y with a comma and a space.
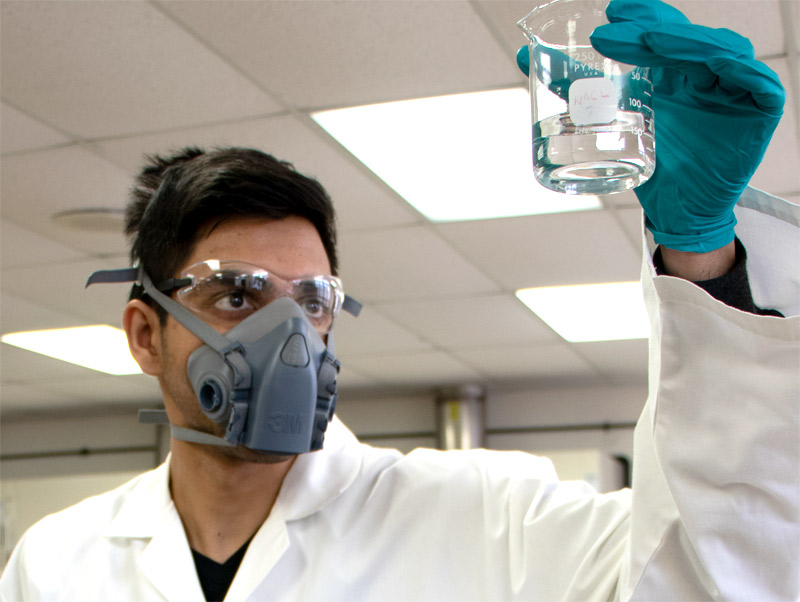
174, 198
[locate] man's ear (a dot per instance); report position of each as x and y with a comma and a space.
143, 329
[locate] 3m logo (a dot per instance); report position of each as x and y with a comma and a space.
280, 422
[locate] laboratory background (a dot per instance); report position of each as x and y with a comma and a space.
415, 117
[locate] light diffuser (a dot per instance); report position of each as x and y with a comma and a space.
456, 157
591, 312
98, 347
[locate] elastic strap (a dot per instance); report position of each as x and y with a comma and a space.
351, 306
192, 436
179, 432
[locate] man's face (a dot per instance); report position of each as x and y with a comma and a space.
290, 248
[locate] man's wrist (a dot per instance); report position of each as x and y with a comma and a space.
699, 266
731, 288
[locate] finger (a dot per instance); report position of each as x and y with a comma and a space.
625, 42
696, 43
749, 76
524, 60
643, 11
669, 44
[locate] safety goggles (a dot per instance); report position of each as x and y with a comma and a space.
226, 292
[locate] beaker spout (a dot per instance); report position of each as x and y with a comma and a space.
544, 16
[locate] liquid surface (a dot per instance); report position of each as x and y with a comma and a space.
594, 159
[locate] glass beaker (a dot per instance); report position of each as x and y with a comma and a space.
593, 130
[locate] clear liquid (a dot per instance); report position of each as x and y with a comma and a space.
593, 159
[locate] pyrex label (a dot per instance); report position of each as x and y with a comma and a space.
592, 100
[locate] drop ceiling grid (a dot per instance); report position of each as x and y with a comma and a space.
392, 50
407, 263
62, 288
248, 89
457, 322
22, 132
21, 247
55, 52
22, 313
547, 250
362, 201
37, 184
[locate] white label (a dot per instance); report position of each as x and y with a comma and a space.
592, 100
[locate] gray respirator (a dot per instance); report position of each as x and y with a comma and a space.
271, 380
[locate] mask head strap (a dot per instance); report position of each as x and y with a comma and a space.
232, 352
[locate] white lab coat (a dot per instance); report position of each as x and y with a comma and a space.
715, 513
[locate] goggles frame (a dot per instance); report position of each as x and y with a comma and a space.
225, 277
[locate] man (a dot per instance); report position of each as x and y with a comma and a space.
228, 245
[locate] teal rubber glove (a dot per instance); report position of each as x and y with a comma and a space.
715, 107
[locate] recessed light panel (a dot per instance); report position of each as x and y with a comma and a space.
99, 347
591, 312
456, 157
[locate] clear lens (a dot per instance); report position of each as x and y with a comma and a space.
226, 292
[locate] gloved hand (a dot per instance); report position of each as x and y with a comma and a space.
715, 108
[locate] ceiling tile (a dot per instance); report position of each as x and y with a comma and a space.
361, 200
34, 186
620, 362
144, 72
21, 366
152, 76
28, 397
60, 384
106, 389
546, 250
502, 17
371, 333
21, 132
623, 199
349, 380
760, 21
631, 220
350, 53
26, 313
772, 174
21, 247
793, 12
406, 263
426, 368
63, 289
543, 363
457, 322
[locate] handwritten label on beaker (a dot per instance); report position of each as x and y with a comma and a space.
592, 100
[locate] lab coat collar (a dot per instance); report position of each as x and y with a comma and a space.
148, 513
146, 507
314, 480
317, 478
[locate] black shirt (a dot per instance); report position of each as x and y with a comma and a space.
216, 578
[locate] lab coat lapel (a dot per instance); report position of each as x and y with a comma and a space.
314, 480
168, 564
267, 547
166, 561
317, 478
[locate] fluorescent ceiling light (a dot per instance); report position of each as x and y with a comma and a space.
99, 347
591, 312
456, 157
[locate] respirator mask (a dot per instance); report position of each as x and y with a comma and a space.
271, 378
